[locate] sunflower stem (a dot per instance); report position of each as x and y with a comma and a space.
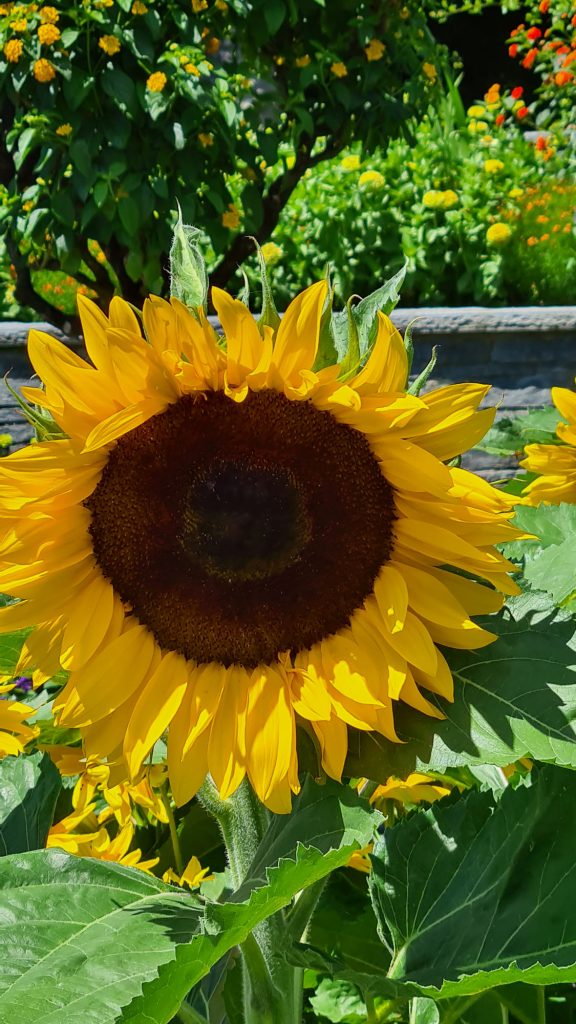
174, 837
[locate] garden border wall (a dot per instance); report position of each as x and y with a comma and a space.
521, 351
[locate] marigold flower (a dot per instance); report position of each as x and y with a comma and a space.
44, 70
138, 7
534, 33
48, 15
350, 162
206, 139
517, 92
375, 50
303, 61
231, 218
563, 77
498, 233
13, 50
339, 69
110, 45
48, 34
493, 166
156, 81
430, 71
372, 179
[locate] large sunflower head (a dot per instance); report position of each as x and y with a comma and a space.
228, 542
554, 464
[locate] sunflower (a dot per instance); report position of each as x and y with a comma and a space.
555, 464
228, 542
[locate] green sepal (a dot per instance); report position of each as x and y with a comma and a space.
351, 361
269, 316
329, 350
188, 278
422, 378
244, 294
45, 427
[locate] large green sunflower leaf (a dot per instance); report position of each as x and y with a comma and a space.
510, 434
549, 561
78, 937
513, 699
478, 892
29, 788
327, 824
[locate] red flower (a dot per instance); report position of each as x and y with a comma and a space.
544, 6
530, 58
523, 112
513, 50
573, 20
541, 142
563, 77
534, 33
517, 92
500, 118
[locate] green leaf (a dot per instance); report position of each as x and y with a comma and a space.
510, 435
274, 13
63, 207
78, 937
29, 788
82, 158
424, 1011
10, 647
476, 892
129, 213
339, 1002
333, 820
497, 716
383, 300
550, 559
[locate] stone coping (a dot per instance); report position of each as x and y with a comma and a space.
428, 320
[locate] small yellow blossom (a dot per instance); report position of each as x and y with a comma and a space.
199, 5
372, 179
404, 13
279, 61
493, 166
212, 45
191, 69
477, 127
48, 34
206, 139
64, 129
430, 71
302, 62
476, 110
138, 7
339, 69
13, 50
221, 5
436, 199
271, 253
375, 49
449, 198
231, 219
498, 234
487, 140
516, 192
28, 205
156, 81
193, 875
44, 71
110, 44
350, 163
48, 15
20, 25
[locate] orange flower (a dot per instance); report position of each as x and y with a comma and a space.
528, 61
375, 49
156, 81
339, 69
563, 77
534, 33
544, 6
522, 113
513, 50
532, 240
44, 71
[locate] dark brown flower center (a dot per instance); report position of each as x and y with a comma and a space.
236, 531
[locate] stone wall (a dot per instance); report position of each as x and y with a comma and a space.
521, 352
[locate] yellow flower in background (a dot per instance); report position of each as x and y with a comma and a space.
493, 166
555, 464
13, 50
192, 876
351, 162
440, 199
476, 111
110, 45
191, 69
44, 70
48, 15
271, 253
449, 198
375, 50
64, 129
48, 34
231, 218
339, 69
14, 733
477, 127
220, 578
302, 62
206, 139
97, 844
516, 192
371, 179
199, 5
138, 7
20, 25
430, 71
498, 234
156, 82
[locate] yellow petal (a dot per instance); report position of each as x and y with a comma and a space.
155, 708
333, 739
243, 340
227, 746
387, 366
391, 594
270, 731
112, 676
298, 335
565, 402
122, 422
